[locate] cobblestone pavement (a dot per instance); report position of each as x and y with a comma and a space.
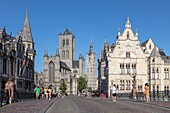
73, 104
32, 106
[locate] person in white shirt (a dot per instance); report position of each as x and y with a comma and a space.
114, 91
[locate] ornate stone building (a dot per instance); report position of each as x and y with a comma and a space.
128, 63
91, 68
63, 67
16, 61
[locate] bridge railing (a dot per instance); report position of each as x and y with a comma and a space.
154, 95
19, 95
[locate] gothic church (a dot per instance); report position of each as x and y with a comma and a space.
63, 67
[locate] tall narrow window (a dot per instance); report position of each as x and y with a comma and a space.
122, 68
127, 34
51, 72
166, 73
4, 66
67, 42
150, 46
63, 54
63, 42
153, 73
134, 68
122, 84
128, 68
127, 54
127, 84
12, 68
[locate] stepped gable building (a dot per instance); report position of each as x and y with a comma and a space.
128, 64
17, 58
91, 68
63, 67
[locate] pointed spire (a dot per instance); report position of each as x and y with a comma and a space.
91, 48
26, 22
105, 40
118, 30
57, 52
26, 31
128, 24
136, 30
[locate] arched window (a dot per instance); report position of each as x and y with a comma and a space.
63, 42
67, 54
51, 72
67, 42
150, 46
63, 54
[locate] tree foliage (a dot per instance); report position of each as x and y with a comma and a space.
82, 83
63, 87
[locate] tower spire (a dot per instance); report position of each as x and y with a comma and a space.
118, 30
26, 30
136, 30
128, 24
91, 47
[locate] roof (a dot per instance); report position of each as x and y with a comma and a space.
64, 65
155, 53
75, 64
144, 43
161, 52
67, 32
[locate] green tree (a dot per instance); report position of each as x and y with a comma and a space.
63, 87
82, 83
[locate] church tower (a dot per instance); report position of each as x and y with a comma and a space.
27, 38
91, 68
67, 47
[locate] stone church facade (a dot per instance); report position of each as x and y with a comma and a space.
62, 67
128, 63
91, 68
17, 56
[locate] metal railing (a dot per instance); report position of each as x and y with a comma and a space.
154, 95
18, 96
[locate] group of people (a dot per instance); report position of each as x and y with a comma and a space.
134, 91
43, 93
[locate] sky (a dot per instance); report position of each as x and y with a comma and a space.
88, 20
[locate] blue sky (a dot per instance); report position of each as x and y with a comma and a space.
87, 19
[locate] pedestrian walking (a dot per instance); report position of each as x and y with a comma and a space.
46, 93
9, 87
147, 92
114, 92
37, 92
134, 93
49, 92
42, 93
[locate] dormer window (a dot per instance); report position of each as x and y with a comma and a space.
127, 34
153, 60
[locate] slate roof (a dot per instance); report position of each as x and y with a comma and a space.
64, 65
144, 43
67, 32
75, 64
